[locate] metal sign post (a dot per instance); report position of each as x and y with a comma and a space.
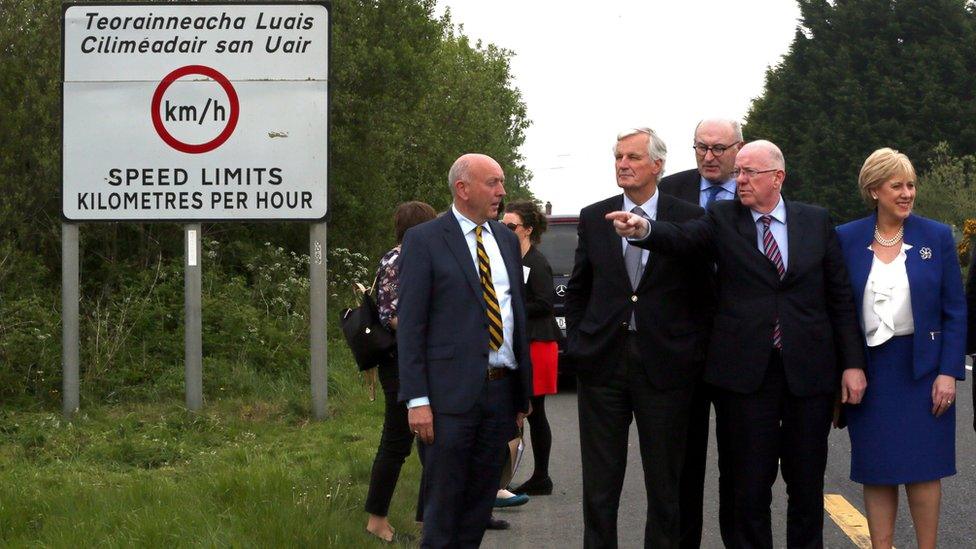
195, 112
317, 294
69, 319
193, 325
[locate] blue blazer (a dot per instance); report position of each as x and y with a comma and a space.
938, 303
442, 331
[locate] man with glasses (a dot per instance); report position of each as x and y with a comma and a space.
716, 143
636, 329
784, 333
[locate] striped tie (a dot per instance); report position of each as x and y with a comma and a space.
772, 252
488, 290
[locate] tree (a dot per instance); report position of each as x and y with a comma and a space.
408, 95
864, 74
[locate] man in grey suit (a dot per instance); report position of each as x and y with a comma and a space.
465, 370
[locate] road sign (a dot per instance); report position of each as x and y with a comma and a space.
195, 112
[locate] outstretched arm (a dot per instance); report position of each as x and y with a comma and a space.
692, 237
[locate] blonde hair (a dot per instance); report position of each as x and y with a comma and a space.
881, 166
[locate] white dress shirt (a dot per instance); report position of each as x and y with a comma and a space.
887, 306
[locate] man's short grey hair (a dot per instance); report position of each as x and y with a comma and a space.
656, 149
775, 155
459, 170
734, 124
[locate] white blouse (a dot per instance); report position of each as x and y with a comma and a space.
887, 306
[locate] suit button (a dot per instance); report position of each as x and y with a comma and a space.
633, 298
624, 324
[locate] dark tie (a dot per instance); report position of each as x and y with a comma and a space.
495, 336
771, 250
712, 193
632, 257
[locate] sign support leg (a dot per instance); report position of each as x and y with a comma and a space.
69, 319
192, 339
318, 293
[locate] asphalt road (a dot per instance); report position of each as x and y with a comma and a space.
556, 520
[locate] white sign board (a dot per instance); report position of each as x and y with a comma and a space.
195, 112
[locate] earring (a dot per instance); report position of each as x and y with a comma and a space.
874, 196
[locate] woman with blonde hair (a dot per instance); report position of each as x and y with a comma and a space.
908, 288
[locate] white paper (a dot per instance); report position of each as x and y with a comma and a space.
191, 248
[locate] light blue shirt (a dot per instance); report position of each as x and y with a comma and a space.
650, 212
777, 227
504, 357
727, 192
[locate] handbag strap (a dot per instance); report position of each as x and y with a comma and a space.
371, 291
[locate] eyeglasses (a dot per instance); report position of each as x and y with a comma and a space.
513, 225
717, 149
749, 172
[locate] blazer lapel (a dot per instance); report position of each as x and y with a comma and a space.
860, 260
613, 244
794, 236
459, 249
914, 265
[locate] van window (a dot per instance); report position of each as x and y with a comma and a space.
559, 247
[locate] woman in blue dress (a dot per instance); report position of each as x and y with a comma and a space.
908, 289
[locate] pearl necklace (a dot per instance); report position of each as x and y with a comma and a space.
889, 242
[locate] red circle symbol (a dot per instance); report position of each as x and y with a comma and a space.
191, 148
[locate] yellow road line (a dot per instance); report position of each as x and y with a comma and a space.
849, 519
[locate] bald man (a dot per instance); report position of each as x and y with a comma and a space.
784, 334
464, 363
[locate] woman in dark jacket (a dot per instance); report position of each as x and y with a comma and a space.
396, 439
528, 223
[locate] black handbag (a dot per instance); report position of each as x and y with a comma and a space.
370, 341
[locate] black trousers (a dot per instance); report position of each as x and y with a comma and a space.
693, 472
395, 443
606, 408
774, 428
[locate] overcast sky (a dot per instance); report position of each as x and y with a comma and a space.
587, 70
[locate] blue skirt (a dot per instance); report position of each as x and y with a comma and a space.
895, 439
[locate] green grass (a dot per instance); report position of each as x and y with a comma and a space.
248, 471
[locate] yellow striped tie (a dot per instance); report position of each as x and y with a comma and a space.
491, 300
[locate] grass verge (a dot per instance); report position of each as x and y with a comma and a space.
248, 471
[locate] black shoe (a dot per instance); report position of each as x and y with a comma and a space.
534, 487
498, 524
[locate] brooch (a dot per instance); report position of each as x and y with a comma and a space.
925, 252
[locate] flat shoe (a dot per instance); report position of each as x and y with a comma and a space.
514, 501
534, 487
498, 524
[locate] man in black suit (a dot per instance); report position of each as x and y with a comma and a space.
465, 370
637, 325
784, 335
716, 144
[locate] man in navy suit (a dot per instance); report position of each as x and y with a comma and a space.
716, 144
465, 370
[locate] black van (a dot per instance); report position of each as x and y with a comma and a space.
559, 247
